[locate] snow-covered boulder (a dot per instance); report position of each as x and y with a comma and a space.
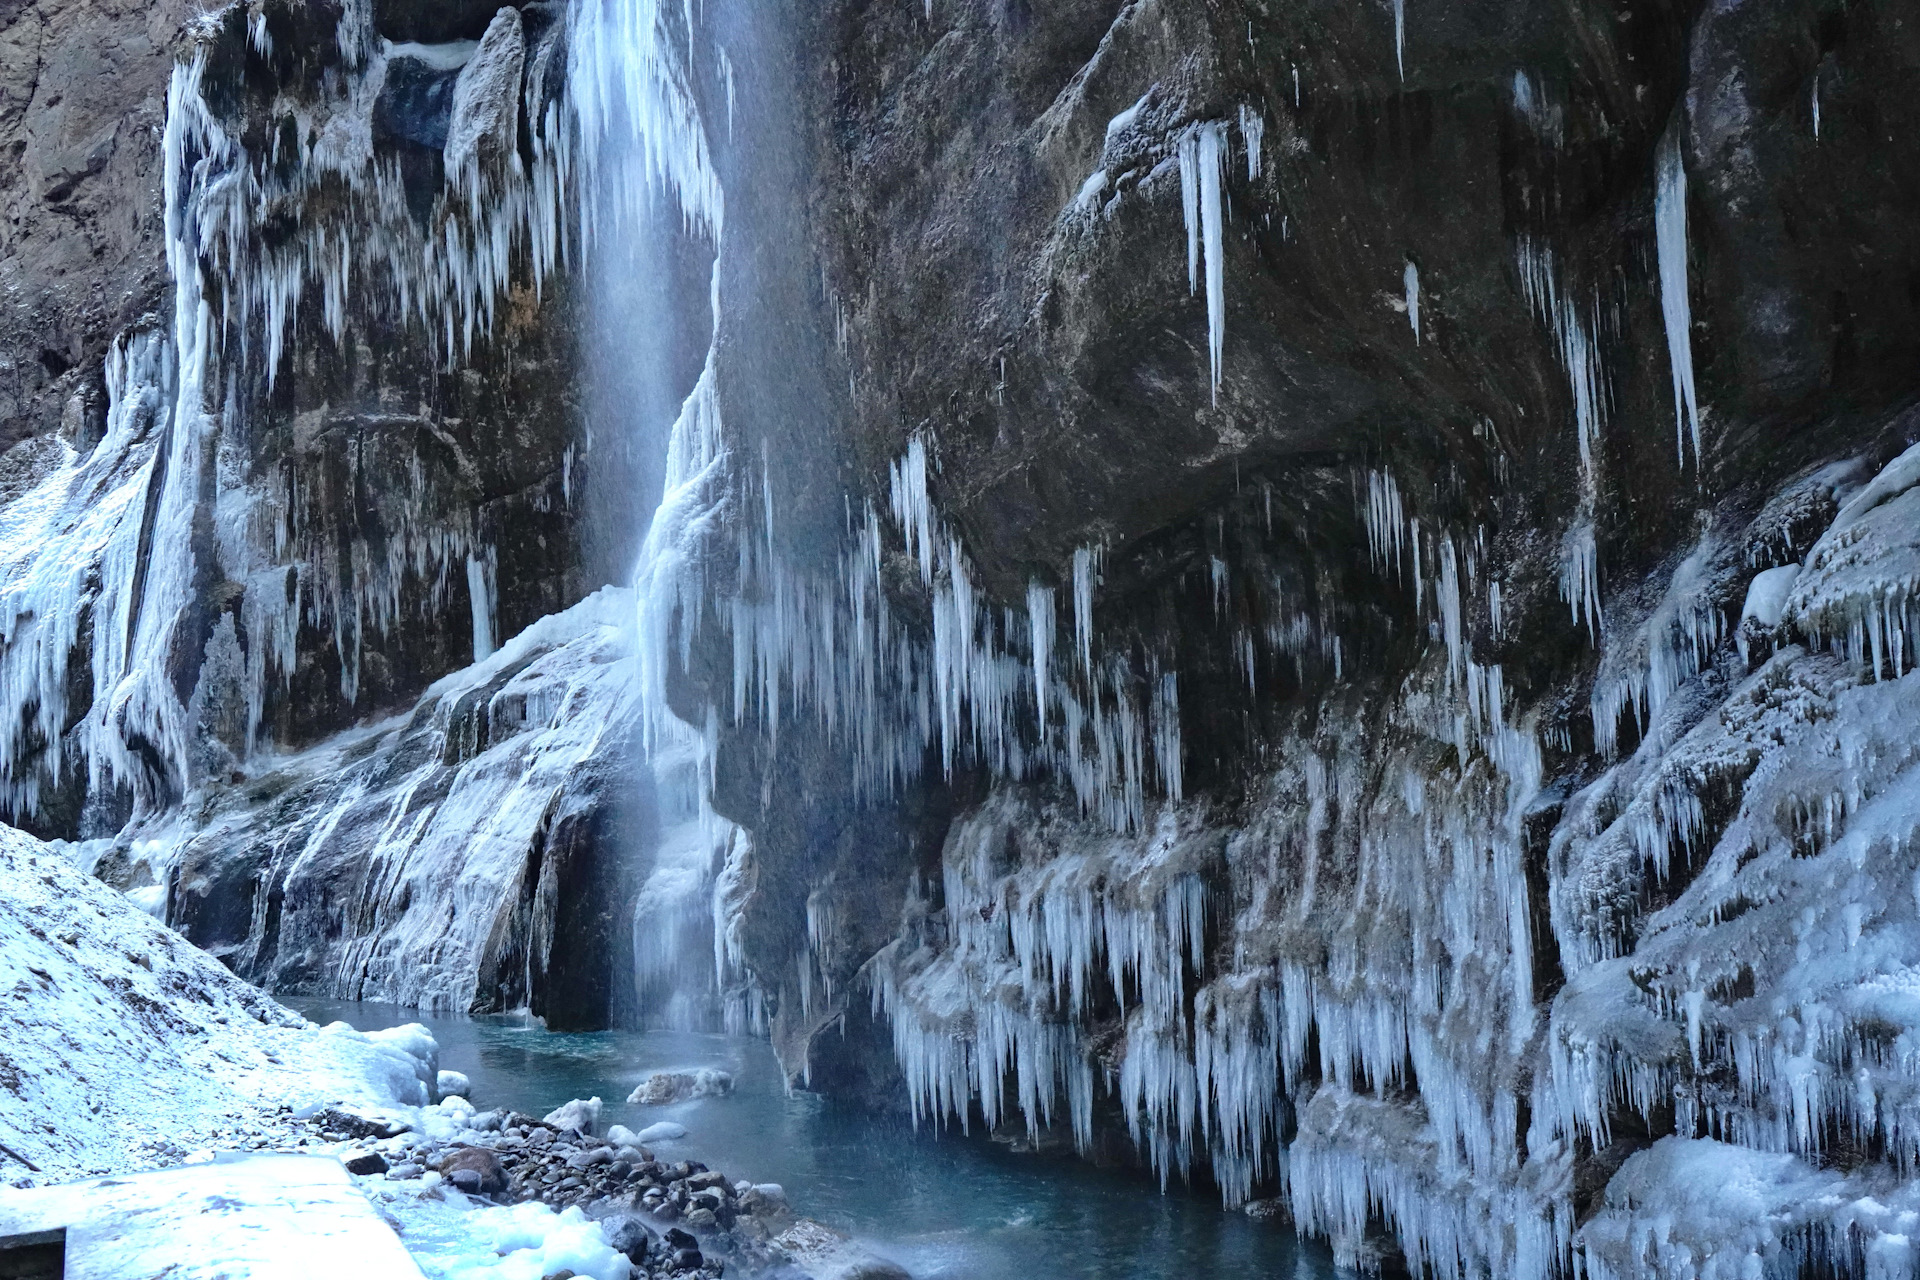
665, 1131
663, 1087
582, 1115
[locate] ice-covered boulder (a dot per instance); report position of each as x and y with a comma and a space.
663, 1087
582, 1115
665, 1131
486, 98
1860, 588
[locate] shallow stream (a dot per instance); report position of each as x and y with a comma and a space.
943, 1206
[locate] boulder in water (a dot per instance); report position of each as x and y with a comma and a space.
1267, 1210
450, 1083
663, 1087
665, 1131
630, 1236
824, 1253
582, 1115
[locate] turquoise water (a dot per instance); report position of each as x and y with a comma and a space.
943, 1206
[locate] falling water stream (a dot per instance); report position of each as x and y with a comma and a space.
943, 1206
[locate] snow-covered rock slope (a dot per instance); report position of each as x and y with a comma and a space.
122, 1046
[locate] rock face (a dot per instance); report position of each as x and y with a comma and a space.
81, 108
1339, 707
1284, 581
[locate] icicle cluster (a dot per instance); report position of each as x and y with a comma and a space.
1187, 938
989, 689
1735, 908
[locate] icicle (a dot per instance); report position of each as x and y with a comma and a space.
1411, 279
1670, 224
1212, 143
1400, 36
1253, 127
1200, 200
1040, 624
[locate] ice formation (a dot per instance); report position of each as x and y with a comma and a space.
426, 823
1670, 236
1202, 159
1411, 283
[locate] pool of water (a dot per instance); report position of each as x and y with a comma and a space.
943, 1206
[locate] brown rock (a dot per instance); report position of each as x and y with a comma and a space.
485, 1172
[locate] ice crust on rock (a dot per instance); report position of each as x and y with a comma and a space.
664, 1087
581, 1115
431, 817
1857, 591
1733, 902
663, 1131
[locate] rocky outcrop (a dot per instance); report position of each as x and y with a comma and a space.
82, 107
469, 855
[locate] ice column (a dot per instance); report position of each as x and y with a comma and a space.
481, 570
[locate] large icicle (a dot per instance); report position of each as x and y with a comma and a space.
1410, 281
1670, 236
1202, 155
1212, 145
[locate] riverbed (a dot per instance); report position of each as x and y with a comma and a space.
944, 1206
